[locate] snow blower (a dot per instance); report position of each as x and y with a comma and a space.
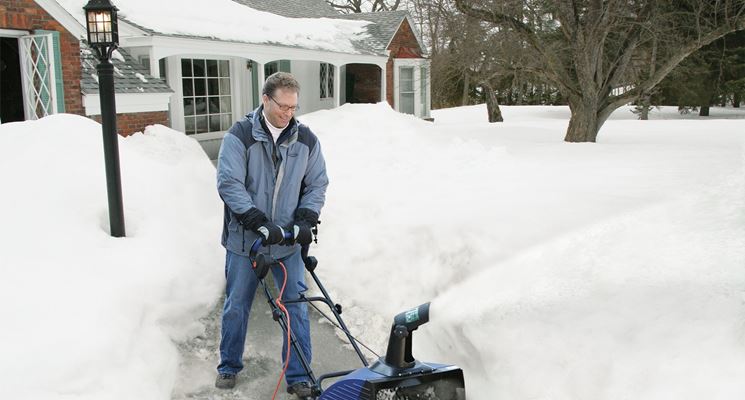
395, 376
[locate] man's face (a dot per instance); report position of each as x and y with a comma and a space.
280, 107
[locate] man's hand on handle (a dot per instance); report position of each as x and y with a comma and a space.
256, 221
305, 220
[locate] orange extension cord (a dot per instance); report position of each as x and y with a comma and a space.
289, 330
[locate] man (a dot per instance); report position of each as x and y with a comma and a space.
271, 176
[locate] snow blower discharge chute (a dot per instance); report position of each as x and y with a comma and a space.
395, 376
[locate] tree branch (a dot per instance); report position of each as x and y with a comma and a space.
687, 50
556, 72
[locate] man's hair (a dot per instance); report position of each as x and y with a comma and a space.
280, 80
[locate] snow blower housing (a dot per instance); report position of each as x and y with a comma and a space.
395, 376
398, 376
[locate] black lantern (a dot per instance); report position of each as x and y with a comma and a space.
102, 26
103, 37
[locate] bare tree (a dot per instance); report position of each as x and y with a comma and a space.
360, 6
588, 48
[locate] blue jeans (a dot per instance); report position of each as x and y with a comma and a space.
239, 293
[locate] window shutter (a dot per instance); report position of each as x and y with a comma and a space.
59, 81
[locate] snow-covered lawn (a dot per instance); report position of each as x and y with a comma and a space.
613, 270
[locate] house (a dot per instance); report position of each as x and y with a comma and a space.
198, 66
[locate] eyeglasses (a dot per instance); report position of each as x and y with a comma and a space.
285, 108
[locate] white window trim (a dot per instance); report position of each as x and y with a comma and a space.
416, 63
13, 33
173, 65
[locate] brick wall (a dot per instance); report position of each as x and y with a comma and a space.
27, 15
127, 124
403, 45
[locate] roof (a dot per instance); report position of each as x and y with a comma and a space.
129, 75
292, 9
294, 24
385, 23
384, 27
233, 21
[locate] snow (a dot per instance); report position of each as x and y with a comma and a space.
557, 271
610, 270
231, 21
85, 315
141, 77
117, 55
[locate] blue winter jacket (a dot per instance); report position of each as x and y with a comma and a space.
277, 179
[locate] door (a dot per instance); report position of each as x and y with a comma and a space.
11, 101
37, 71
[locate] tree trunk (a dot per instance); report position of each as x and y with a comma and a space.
492, 106
736, 100
644, 116
584, 123
704, 111
466, 83
644, 107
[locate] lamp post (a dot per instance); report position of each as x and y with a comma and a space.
103, 37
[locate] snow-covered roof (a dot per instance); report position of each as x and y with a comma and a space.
293, 9
384, 26
229, 20
129, 75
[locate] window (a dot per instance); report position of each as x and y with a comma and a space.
327, 81
270, 68
411, 86
207, 100
406, 89
145, 61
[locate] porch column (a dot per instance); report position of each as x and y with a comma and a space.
383, 82
259, 82
154, 63
260, 74
337, 89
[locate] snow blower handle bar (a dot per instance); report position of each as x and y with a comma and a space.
260, 242
262, 262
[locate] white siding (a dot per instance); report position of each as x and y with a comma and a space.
308, 74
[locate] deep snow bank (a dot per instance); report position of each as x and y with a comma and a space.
563, 271
84, 315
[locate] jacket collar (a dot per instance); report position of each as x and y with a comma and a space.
259, 134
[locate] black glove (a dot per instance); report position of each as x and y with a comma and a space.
252, 219
305, 220
257, 221
272, 233
302, 235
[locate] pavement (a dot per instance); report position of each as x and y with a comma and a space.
262, 358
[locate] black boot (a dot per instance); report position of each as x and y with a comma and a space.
302, 390
225, 381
